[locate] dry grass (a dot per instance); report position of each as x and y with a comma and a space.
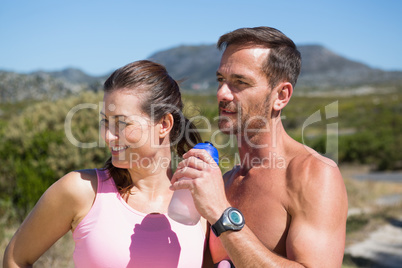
363, 194
59, 255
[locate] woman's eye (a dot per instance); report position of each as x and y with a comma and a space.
115, 125
103, 122
121, 125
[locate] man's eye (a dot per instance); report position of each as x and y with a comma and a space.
219, 79
240, 82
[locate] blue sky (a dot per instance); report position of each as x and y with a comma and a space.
98, 36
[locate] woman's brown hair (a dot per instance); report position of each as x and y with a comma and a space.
162, 96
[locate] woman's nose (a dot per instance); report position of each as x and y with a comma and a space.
110, 135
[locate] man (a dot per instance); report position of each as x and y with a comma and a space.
294, 208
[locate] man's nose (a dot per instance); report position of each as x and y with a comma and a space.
224, 93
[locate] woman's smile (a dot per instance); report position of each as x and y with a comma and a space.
115, 150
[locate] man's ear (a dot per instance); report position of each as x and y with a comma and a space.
284, 92
166, 125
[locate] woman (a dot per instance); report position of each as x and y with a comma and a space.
118, 214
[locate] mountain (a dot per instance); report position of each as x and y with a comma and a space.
195, 67
45, 85
71, 75
321, 68
325, 69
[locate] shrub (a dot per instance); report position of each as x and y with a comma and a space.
35, 151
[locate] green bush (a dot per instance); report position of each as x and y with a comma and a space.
35, 151
356, 223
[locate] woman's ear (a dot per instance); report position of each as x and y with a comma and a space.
284, 92
166, 125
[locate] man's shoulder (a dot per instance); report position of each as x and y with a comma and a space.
314, 180
310, 160
311, 167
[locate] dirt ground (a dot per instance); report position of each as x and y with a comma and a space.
379, 243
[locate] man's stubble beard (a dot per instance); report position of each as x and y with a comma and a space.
256, 118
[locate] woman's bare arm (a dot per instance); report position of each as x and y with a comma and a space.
60, 207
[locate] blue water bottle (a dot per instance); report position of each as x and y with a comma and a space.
181, 207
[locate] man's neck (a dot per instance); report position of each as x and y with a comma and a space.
265, 148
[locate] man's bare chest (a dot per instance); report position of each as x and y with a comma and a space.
262, 198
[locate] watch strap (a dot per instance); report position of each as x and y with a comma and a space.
218, 227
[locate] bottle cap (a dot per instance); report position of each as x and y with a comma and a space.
209, 147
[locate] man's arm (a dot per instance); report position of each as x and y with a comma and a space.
317, 230
316, 236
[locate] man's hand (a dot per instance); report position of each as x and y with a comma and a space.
205, 183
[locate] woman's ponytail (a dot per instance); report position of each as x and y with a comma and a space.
189, 138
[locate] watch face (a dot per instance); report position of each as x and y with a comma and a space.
235, 217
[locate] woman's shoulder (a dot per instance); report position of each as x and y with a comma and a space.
80, 185
79, 177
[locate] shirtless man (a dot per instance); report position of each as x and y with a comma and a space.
294, 208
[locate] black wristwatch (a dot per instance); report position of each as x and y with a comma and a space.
231, 220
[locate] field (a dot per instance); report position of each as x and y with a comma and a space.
360, 132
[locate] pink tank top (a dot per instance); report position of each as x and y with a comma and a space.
113, 234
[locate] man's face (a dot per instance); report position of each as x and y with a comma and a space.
243, 92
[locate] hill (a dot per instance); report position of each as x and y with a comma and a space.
41, 85
71, 75
324, 68
320, 68
195, 67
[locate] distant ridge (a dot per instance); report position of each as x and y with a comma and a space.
42, 85
195, 67
71, 75
323, 68
320, 68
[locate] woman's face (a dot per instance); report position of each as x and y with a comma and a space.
128, 132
